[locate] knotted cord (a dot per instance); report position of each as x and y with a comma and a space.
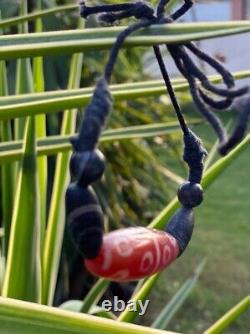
87, 163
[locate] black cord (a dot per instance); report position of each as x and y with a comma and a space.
119, 43
87, 164
170, 90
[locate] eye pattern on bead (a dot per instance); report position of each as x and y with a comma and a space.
146, 251
135, 253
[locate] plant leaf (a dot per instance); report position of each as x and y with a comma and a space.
24, 78
56, 219
179, 85
36, 15
229, 317
32, 318
176, 302
1, 232
27, 98
22, 279
76, 306
79, 98
40, 132
16, 46
72, 305
11, 151
94, 295
7, 172
100, 312
142, 294
2, 271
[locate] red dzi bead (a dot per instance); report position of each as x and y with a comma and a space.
133, 253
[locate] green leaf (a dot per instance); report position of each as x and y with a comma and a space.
56, 219
24, 78
176, 302
51, 43
72, 305
143, 131
32, 318
7, 23
11, 151
27, 98
22, 279
213, 151
40, 132
149, 88
170, 175
7, 172
229, 317
24, 84
94, 295
79, 98
100, 312
76, 306
2, 270
141, 295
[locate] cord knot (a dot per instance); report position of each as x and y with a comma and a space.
141, 11
194, 153
95, 118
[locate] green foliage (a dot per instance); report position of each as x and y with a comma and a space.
35, 259
23, 269
33, 318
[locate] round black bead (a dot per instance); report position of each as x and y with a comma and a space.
87, 166
190, 194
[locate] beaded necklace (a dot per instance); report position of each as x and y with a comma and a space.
137, 252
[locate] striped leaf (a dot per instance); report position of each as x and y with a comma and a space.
32, 318
176, 302
232, 315
23, 279
56, 219
12, 151
55, 102
68, 42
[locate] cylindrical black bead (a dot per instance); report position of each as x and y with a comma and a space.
190, 194
181, 227
85, 219
87, 167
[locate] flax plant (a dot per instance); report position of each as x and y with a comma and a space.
34, 169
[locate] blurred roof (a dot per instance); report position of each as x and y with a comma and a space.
233, 50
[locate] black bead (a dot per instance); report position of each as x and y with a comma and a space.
190, 194
85, 219
181, 227
87, 167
